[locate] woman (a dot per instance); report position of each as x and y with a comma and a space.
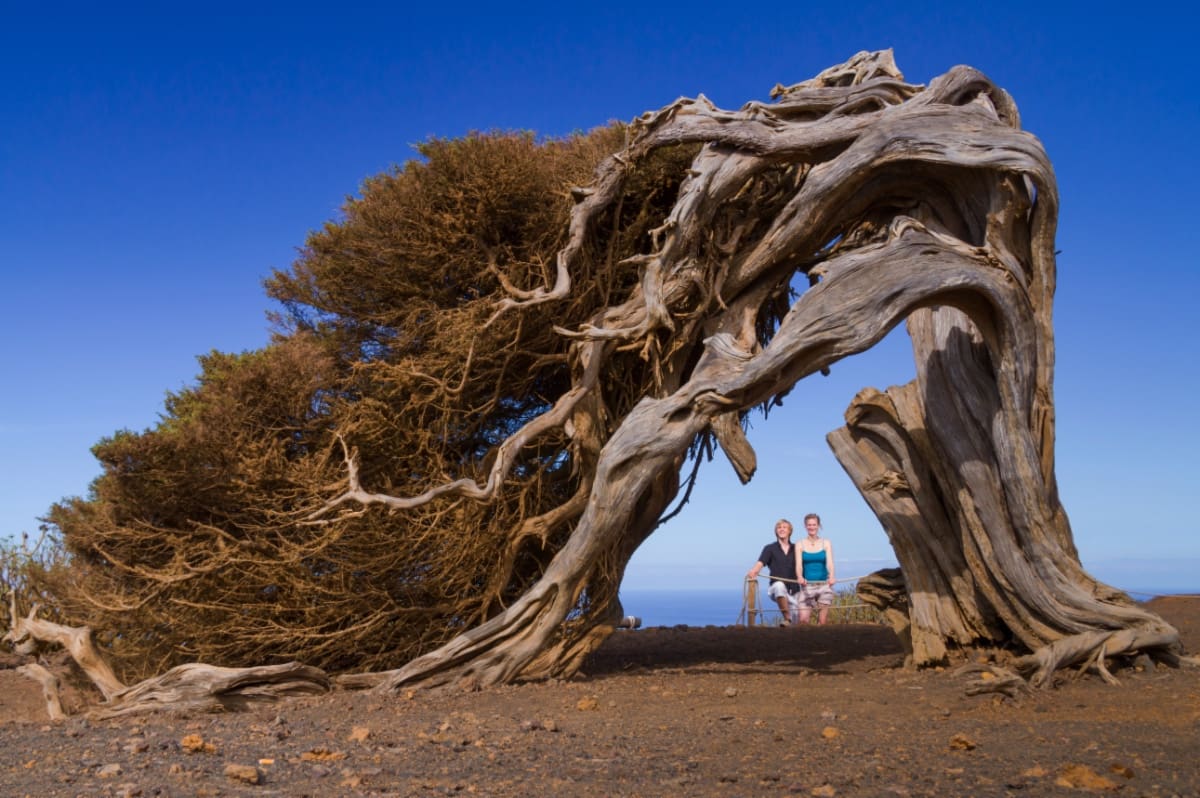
816, 572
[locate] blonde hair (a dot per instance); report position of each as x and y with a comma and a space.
785, 521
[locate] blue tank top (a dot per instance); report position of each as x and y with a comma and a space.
815, 569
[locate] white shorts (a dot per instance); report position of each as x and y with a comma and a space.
778, 590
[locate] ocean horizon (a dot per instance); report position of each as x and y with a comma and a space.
722, 607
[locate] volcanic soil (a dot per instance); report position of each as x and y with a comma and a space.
714, 711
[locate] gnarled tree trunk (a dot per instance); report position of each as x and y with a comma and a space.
963, 482
804, 230
895, 202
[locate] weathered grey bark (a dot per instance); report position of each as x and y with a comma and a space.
955, 466
896, 202
192, 686
890, 202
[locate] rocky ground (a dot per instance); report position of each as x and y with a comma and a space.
719, 711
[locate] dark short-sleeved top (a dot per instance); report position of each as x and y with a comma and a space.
781, 565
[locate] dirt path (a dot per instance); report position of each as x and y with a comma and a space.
722, 711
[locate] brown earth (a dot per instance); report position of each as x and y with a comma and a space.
718, 711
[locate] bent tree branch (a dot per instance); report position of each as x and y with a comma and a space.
496, 375
892, 202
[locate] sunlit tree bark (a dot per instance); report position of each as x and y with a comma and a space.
493, 381
895, 202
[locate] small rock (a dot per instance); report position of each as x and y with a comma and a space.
731, 692
961, 742
830, 732
321, 754
1083, 777
195, 744
550, 725
247, 774
109, 771
1124, 771
587, 704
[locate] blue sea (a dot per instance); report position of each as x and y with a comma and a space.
722, 607
691, 607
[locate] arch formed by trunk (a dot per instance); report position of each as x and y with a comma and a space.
896, 202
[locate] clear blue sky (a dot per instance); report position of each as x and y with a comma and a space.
156, 165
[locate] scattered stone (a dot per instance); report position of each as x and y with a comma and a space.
961, 742
1081, 777
109, 771
824, 791
830, 732
731, 692
247, 774
828, 715
195, 744
587, 704
321, 754
1123, 771
359, 734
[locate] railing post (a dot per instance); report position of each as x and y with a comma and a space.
750, 601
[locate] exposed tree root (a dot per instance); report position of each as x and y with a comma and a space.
50, 688
992, 679
192, 686
1089, 650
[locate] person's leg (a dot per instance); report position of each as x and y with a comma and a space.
778, 592
804, 606
825, 600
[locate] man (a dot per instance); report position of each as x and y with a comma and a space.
780, 558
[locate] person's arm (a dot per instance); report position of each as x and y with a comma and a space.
753, 572
829, 560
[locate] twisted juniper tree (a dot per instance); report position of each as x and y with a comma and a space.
514, 348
